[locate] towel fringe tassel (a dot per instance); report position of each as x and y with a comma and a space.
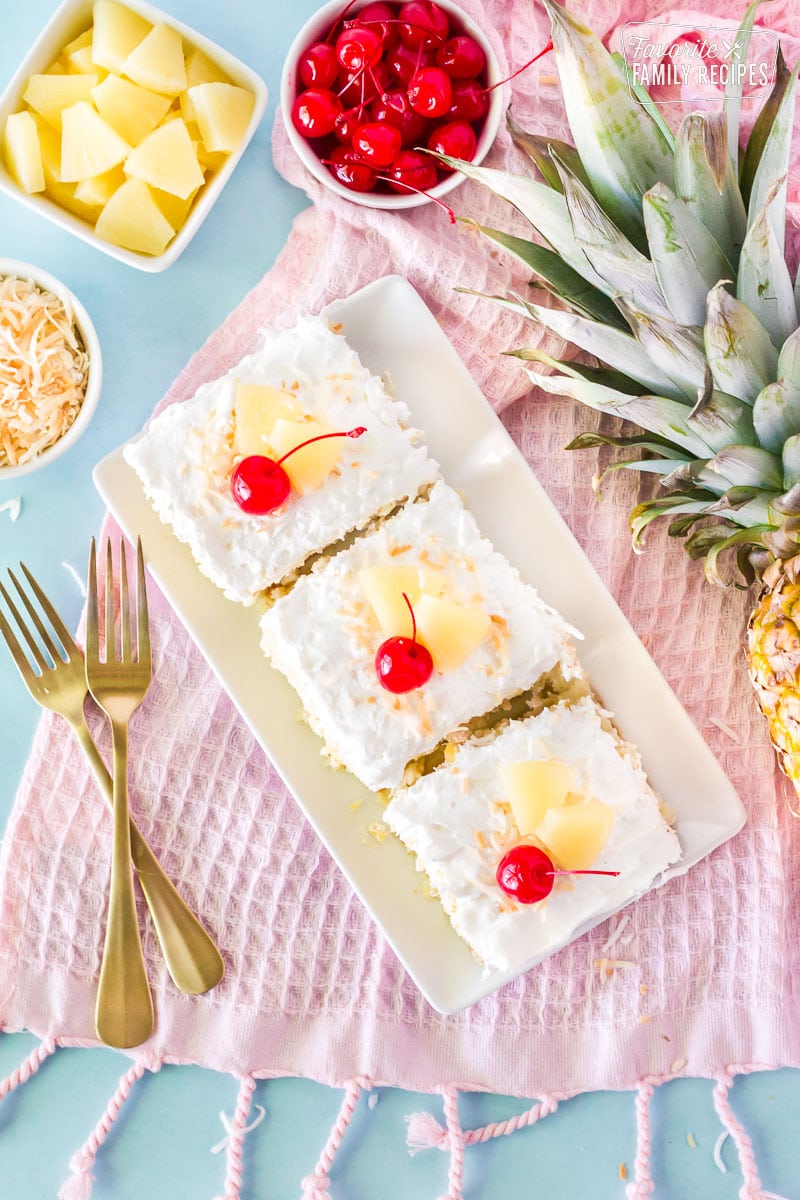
315, 1186
28, 1067
425, 1133
642, 1185
237, 1129
751, 1188
79, 1185
455, 1140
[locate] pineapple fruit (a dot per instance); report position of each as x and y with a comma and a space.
533, 787
575, 835
116, 101
310, 467
257, 408
449, 631
666, 252
545, 806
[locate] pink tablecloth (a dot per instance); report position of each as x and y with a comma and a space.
311, 988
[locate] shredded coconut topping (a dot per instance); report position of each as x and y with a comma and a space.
44, 370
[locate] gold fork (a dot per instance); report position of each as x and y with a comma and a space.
124, 1011
59, 683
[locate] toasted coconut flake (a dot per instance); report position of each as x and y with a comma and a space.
44, 370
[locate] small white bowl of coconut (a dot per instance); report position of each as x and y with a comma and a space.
50, 368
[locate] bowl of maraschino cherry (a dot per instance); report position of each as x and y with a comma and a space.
369, 87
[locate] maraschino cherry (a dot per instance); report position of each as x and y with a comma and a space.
403, 664
260, 485
527, 874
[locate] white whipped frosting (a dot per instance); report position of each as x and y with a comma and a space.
438, 819
185, 458
324, 636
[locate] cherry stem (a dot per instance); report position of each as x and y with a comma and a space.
351, 433
429, 33
420, 192
340, 17
524, 67
614, 873
413, 618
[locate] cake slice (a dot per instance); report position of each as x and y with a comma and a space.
301, 383
488, 634
580, 795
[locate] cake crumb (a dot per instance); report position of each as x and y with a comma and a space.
377, 832
622, 1171
643, 988
644, 1020
691, 1143
355, 805
335, 327
395, 550
677, 1066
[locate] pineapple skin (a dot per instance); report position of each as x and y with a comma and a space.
773, 653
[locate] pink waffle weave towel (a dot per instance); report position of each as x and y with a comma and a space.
311, 988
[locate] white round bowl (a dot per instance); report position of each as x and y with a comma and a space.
314, 30
11, 266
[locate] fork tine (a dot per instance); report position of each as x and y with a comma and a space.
16, 651
142, 615
124, 605
49, 644
92, 638
62, 633
33, 645
111, 640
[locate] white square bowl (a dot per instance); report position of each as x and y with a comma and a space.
69, 20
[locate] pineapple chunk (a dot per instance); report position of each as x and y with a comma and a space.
79, 54
257, 408
575, 835
310, 467
223, 113
384, 586
49, 95
89, 146
133, 219
166, 159
98, 189
22, 153
116, 32
450, 631
174, 209
131, 110
210, 160
534, 787
157, 62
60, 193
200, 69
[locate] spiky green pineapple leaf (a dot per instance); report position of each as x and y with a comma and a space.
740, 352
538, 148
771, 176
706, 181
606, 376
764, 283
675, 349
721, 420
621, 148
544, 208
776, 414
658, 414
748, 466
617, 348
555, 275
645, 99
687, 260
763, 124
790, 459
627, 272
694, 502
733, 92
749, 536
644, 441
789, 360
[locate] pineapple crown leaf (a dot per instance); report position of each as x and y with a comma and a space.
669, 265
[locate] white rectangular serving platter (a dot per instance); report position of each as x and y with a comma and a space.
394, 332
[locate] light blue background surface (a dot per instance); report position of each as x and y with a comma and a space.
149, 325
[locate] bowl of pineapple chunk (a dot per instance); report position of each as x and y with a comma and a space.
122, 125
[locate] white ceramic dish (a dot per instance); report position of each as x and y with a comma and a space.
393, 331
11, 266
315, 30
66, 23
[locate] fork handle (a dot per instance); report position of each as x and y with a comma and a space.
192, 958
124, 1011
